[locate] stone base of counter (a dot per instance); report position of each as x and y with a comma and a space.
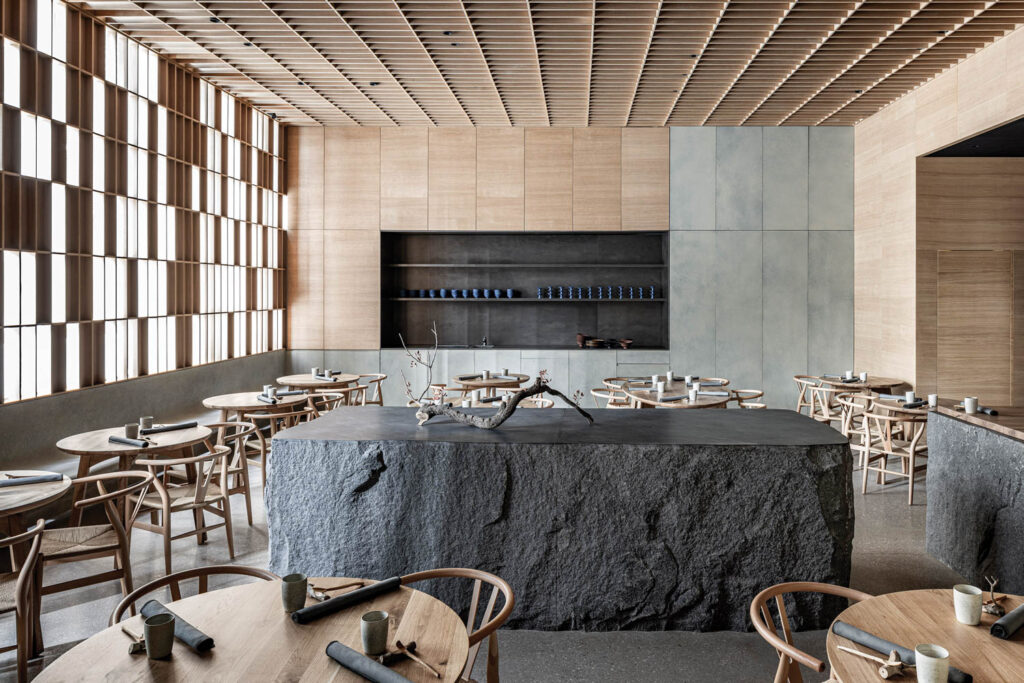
976, 502
590, 536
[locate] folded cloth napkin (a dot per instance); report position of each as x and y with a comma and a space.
466, 377
326, 378
37, 479
360, 664
266, 399
293, 392
138, 443
490, 399
665, 399
850, 380
183, 631
322, 609
708, 384
169, 428
841, 628
920, 403
713, 393
508, 377
891, 397
826, 376
988, 411
1009, 624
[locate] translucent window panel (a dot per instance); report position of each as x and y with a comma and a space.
12, 74
161, 232
44, 360
58, 219
71, 160
143, 72
152, 290
278, 151
109, 288
161, 130
43, 149
133, 172
99, 106
44, 17
98, 293
143, 230
202, 104
71, 357
28, 362
132, 218
109, 351
133, 119
58, 29
122, 288
133, 348
143, 124
12, 364
142, 292
154, 69
243, 245
99, 165
143, 171
172, 345
28, 288
58, 288
161, 179
196, 187
28, 144
133, 66
58, 91
122, 61
153, 346
121, 205
122, 348
110, 54
99, 233
12, 288
161, 290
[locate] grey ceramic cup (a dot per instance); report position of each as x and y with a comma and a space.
146, 422
374, 629
293, 592
131, 431
159, 634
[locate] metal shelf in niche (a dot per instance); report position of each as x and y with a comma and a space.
526, 300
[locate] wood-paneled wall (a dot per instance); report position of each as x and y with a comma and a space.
983, 91
347, 184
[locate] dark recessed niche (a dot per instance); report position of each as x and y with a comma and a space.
1005, 141
524, 262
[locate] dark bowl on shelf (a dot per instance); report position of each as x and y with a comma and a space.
581, 339
595, 343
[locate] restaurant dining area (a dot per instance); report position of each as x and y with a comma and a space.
532, 340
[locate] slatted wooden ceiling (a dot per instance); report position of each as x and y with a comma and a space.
567, 62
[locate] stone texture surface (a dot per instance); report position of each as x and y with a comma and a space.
649, 536
976, 502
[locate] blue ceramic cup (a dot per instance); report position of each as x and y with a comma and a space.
540, 294
487, 293
423, 293
465, 294
403, 293
476, 293
444, 293
455, 293
497, 293
509, 293
433, 294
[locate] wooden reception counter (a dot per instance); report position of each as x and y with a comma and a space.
654, 519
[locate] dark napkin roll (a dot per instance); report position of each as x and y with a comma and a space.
326, 378
37, 479
1008, 624
465, 377
322, 609
360, 664
169, 428
293, 392
138, 443
713, 393
266, 399
827, 376
916, 404
183, 631
841, 628
665, 399
708, 384
891, 397
490, 399
988, 411
851, 380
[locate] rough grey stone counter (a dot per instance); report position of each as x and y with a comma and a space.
975, 521
653, 519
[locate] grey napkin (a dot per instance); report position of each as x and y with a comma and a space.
490, 399
322, 609
360, 664
669, 399
891, 397
713, 393
266, 399
708, 384
169, 428
183, 631
293, 392
326, 378
138, 443
916, 404
1009, 624
832, 376
466, 377
841, 628
24, 481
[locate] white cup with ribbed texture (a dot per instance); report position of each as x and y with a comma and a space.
933, 400
971, 405
967, 604
932, 663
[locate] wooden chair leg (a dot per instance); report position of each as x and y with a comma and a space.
492, 658
247, 492
36, 645
197, 518
23, 627
910, 465
865, 470
228, 528
167, 539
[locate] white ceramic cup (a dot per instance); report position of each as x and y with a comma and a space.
146, 422
314, 371
660, 386
971, 405
688, 378
696, 385
863, 377
486, 374
477, 395
933, 400
466, 403
654, 380
504, 371
373, 627
267, 388
692, 394
909, 397
272, 392
668, 377
131, 431
849, 374
967, 604
932, 662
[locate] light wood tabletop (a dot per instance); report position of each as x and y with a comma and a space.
873, 383
307, 381
910, 618
96, 444
256, 640
18, 499
490, 385
646, 398
247, 401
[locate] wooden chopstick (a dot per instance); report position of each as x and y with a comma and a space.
411, 655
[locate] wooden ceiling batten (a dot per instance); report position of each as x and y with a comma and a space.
566, 62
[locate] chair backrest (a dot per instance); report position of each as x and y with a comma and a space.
136, 482
761, 616
208, 465
853, 406
234, 435
536, 402
823, 403
174, 580
722, 381
881, 425
375, 384
325, 401
804, 383
742, 396
488, 623
617, 382
278, 420
613, 398
750, 405
28, 566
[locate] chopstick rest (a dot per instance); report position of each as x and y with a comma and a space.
314, 612
841, 628
138, 642
1009, 624
360, 664
169, 428
137, 443
183, 631
35, 479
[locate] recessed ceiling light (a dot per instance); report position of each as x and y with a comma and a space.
455, 44
693, 56
858, 91
247, 44
448, 33
214, 20
374, 83
300, 82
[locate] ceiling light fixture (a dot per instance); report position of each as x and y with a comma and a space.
214, 20
247, 44
374, 83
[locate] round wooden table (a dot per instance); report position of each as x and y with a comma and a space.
15, 500
898, 406
94, 447
645, 398
247, 401
256, 640
910, 618
493, 383
873, 383
307, 381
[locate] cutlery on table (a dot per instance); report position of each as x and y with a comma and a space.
321, 593
410, 652
138, 642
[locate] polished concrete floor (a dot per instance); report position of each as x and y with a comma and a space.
888, 556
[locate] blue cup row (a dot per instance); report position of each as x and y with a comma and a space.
600, 292
457, 293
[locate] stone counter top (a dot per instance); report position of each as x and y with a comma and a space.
1009, 422
612, 427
